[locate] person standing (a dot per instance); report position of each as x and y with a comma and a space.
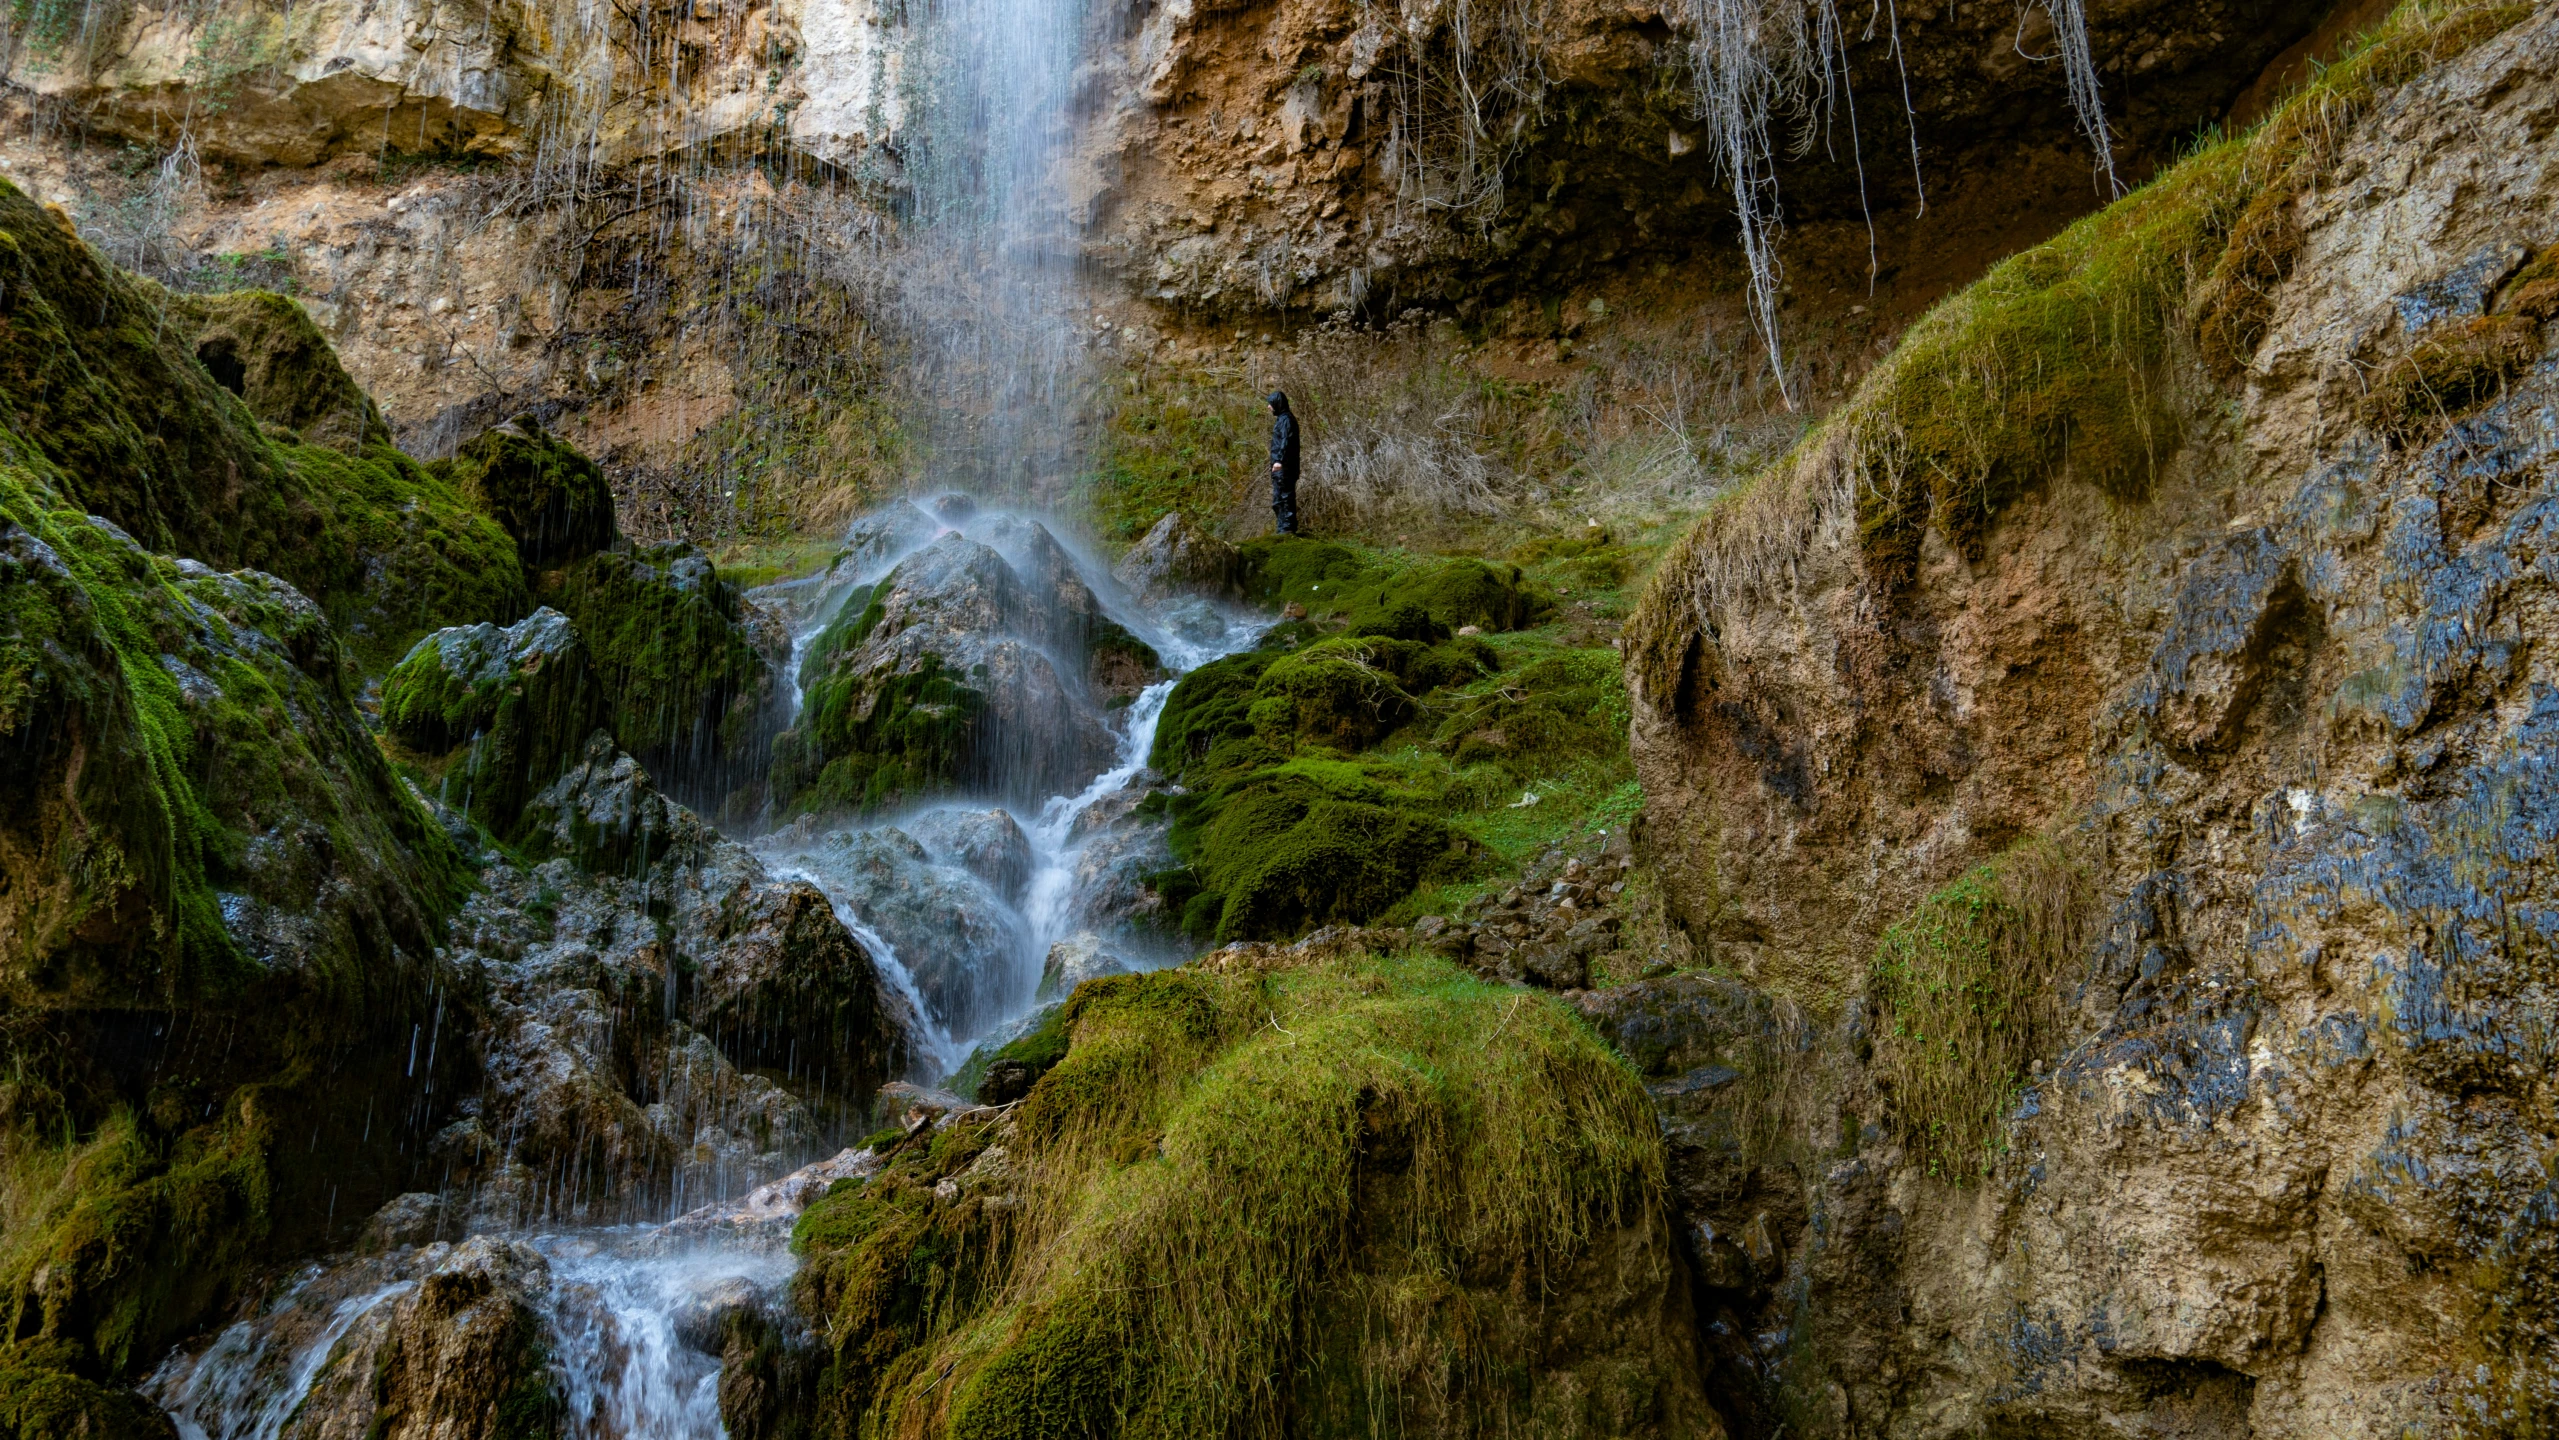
1283, 463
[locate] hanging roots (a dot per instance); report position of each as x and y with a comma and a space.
1750, 60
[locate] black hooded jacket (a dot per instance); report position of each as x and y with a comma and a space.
1283, 438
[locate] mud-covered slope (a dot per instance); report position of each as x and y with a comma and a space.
2189, 577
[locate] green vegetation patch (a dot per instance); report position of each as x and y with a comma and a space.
1361, 586
1175, 440
1965, 999
101, 373
666, 634
1245, 1200
496, 715
865, 740
552, 499
1374, 771
2067, 358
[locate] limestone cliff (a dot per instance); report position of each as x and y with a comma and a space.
2225, 1108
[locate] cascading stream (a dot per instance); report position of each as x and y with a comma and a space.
630, 1316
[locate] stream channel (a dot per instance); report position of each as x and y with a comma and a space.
630, 1314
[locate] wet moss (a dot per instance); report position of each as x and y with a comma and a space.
99, 373
1037, 1052
496, 715
44, 1395
262, 347
139, 1235
687, 687
553, 500
1222, 1204
1368, 588
865, 741
1964, 995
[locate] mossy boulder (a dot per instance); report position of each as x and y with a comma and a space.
198, 807
1362, 587
45, 1396
1351, 691
691, 682
955, 670
496, 714
200, 841
99, 374
262, 347
551, 498
1289, 1193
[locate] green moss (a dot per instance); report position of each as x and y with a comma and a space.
1964, 999
44, 1396
1038, 1051
1368, 588
682, 676
553, 500
99, 373
496, 715
1231, 1193
1175, 440
139, 1236
864, 742
262, 347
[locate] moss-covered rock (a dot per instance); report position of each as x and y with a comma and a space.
498, 714
45, 1396
1305, 1196
1364, 587
551, 498
958, 668
262, 347
200, 841
690, 683
99, 373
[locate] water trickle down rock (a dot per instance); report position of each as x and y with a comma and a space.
666, 1020
954, 673
954, 932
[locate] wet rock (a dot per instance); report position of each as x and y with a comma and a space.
552, 499
951, 674
502, 711
690, 669
1180, 558
680, 1018
986, 843
458, 1355
410, 1219
951, 930
953, 507
1071, 962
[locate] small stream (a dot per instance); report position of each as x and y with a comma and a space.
629, 1350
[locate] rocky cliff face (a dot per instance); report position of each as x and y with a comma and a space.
2275, 1160
602, 215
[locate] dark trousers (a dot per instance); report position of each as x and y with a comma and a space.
1284, 503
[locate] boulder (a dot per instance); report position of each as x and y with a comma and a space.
1072, 961
988, 844
1179, 558
553, 500
691, 670
457, 1355
954, 934
951, 673
500, 711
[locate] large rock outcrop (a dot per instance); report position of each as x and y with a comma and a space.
2223, 1105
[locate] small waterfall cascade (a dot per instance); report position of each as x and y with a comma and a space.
633, 1319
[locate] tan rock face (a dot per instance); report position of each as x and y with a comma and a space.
2279, 1177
